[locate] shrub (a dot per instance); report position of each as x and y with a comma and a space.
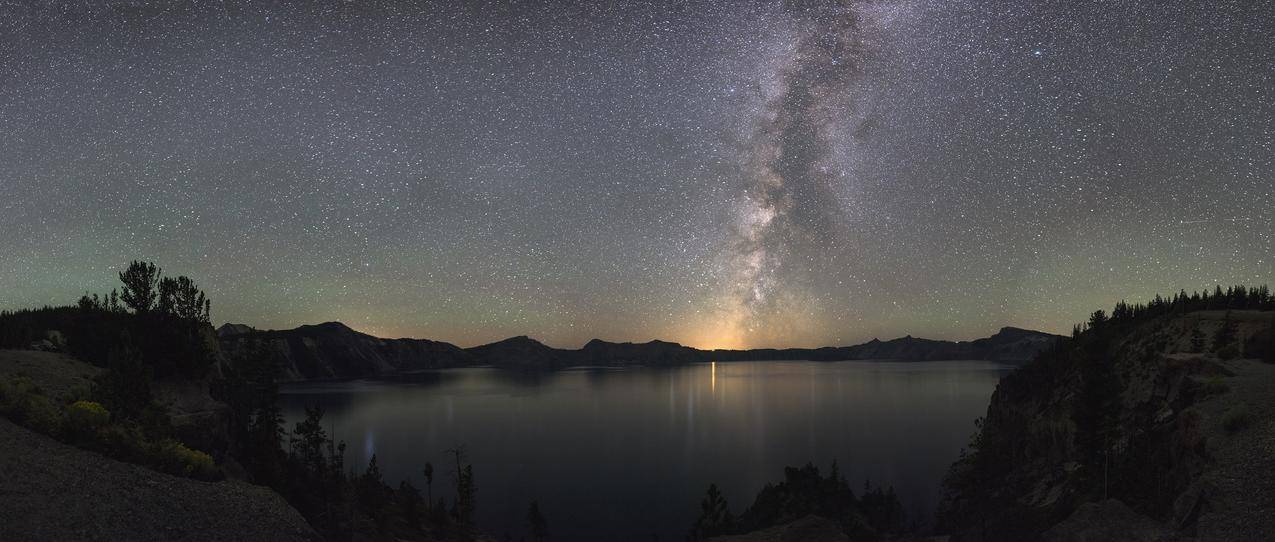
13, 388
84, 418
1228, 352
1261, 345
42, 415
1214, 385
80, 392
175, 458
25, 403
1236, 418
122, 441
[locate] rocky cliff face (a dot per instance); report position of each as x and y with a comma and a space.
333, 350
1123, 423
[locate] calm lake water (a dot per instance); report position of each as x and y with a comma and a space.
626, 454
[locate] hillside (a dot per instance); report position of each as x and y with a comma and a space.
333, 350
1149, 427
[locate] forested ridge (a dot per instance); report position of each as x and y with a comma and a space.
1112, 413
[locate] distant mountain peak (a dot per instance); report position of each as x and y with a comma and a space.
599, 343
518, 341
331, 327
227, 329
1016, 333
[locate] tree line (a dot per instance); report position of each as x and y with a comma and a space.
875, 514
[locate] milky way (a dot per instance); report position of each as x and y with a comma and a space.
716, 173
789, 205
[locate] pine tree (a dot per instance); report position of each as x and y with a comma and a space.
1225, 334
429, 483
126, 386
1197, 339
409, 502
536, 522
141, 283
463, 509
167, 294
1097, 319
714, 517
1269, 356
372, 493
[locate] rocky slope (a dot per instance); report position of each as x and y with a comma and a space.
53, 491
1147, 428
332, 350
59, 375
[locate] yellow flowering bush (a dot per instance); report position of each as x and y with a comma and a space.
176, 458
85, 417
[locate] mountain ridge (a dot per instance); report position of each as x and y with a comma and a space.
333, 350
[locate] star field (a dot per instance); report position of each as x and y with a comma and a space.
714, 173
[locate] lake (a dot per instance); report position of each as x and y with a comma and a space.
626, 454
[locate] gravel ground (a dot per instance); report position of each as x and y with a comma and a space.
1240, 483
56, 374
52, 491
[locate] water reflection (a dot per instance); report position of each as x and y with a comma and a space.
625, 454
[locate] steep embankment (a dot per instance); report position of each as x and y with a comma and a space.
332, 350
1143, 429
54, 491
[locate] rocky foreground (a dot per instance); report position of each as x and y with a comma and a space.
53, 491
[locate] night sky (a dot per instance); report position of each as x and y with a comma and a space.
716, 173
